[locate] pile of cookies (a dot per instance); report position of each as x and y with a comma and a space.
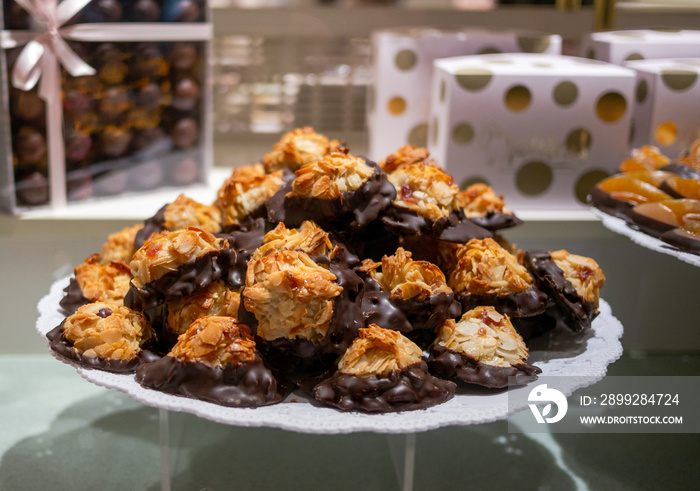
368, 286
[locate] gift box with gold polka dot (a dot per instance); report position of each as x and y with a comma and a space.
621, 46
667, 98
399, 96
541, 129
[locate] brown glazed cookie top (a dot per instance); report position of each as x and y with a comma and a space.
297, 148
185, 212
216, 341
406, 278
378, 351
484, 267
246, 190
331, 176
480, 199
309, 238
104, 283
406, 155
485, 336
215, 300
582, 272
165, 252
107, 330
290, 295
425, 190
119, 246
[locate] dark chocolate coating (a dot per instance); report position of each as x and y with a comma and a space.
249, 384
152, 225
354, 209
62, 346
410, 389
453, 228
648, 225
576, 311
405, 315
493, 221
73, 298
681, 241
681, 170
450, 364
606, 203
194, 275
521, 304
244, 243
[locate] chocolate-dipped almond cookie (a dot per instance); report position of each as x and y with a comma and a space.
406, 295
426, 204
182, 213
382, 371
573, 282
339, 192
482, 348
216, 361
487, 274
482, 206
94, 281
103, 335
120, 246
172, 265
297, 148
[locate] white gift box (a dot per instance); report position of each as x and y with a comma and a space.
621, 46
666, 112
399, 96
541, 129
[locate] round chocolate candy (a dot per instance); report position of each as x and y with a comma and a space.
111, 182
148, 97
76, 102
103, 11
30, 145
78, 145
148, 138
27, 105
185, 94
146, 175
145, 11
114, 141
185, 171
114, 103
183, 56
185, 133
181, 11
113, 72
33, 190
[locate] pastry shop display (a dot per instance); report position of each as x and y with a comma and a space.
103, 335
367, 287
655, 196
382, 371
215, 360
572, 284
481, 348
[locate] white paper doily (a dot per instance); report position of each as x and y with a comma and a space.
618, 225
587, 360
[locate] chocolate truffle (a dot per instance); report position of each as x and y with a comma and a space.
183, 56
185, 95
30, 145
114, 141
185, 133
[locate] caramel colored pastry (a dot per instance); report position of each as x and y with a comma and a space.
297, 148
382, 371
96, 282
243, 195
426, 203
290, 295
406, 155
487, 274
680, 187
120, 246
482, 348
331, 177
482, 206
103, 335
215, 300
309, 238
616, 195
216, 361
647, 157
572, 283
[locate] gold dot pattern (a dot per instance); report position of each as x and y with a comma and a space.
565, 93
397, 105
405, 59
418, 135
463, 133
489, 50
469, 181
518, 98
678, 79
534, 178
473, 79
443, 90
634, 56
610, 107
435, 131
533, 44
666, 133
642, 91
578, 142
585, 183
